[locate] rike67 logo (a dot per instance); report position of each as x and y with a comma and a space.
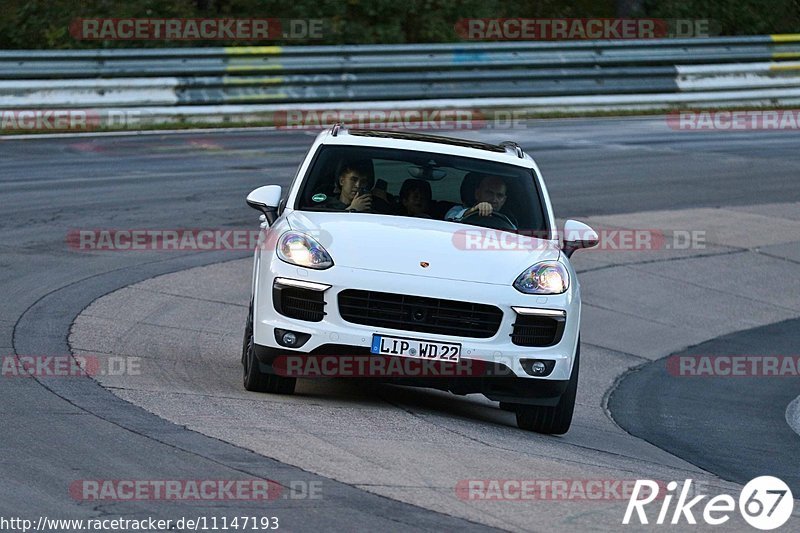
765, 503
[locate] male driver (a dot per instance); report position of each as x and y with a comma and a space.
490, 196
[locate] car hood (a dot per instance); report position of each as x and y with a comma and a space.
423, 247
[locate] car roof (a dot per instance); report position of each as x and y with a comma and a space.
506, 152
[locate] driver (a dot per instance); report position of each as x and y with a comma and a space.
490, 196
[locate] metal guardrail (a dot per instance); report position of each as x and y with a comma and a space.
535, 74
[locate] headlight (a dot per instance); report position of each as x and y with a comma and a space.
549, 277
303, 250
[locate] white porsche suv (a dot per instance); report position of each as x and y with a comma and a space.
435, 253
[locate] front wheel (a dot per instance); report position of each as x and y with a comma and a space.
253, 378
554, 420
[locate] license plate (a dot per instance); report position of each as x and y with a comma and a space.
418, 349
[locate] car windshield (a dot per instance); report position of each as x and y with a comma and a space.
423, 184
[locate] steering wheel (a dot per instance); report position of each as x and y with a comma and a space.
494, 221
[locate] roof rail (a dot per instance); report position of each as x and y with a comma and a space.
336, 127
424, 137
513, 147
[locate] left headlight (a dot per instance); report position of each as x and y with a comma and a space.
303, 250
549, 277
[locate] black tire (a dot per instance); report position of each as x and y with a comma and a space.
552, 420
252, 377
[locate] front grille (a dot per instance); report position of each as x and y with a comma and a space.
302, 304
419, 313
533, 330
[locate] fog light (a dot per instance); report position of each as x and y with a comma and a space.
538, 368
291, 339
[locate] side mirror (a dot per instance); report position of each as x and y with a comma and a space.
266, 200
578, 235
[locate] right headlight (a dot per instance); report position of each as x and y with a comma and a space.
547, 277
303, 250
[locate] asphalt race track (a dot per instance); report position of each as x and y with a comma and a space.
384, 456
696, 413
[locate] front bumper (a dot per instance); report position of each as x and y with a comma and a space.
333, 330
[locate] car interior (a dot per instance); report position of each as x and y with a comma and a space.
452, 182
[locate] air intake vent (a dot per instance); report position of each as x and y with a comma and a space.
418, 313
